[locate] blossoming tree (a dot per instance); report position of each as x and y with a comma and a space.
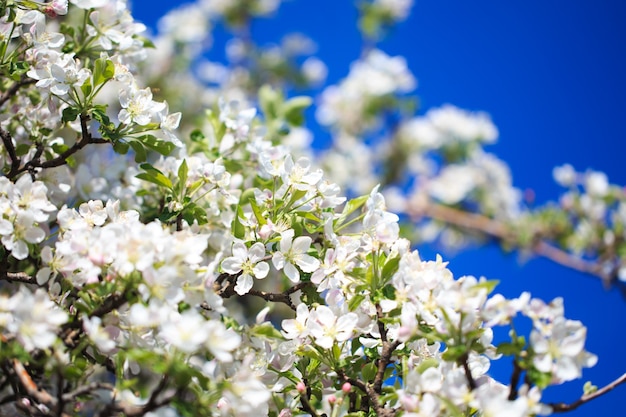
158, 266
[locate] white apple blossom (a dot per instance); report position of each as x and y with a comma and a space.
247, 261
293, 252
327, 329
137, 106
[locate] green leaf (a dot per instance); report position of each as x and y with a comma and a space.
369, 371
355, 301
238, 229
104, 70
121, 147
390, 268
266, 330
427, 363
197, 136
183, 170
257, 212
454, 353
351, 207
508, 349
140, 151
159, 145
22, 149
70, 114
269, 100
154, 176
293, 109
86, 88
489, 285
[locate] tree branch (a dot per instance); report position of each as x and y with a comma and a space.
86, 139
14, 89
40, 395
500, 232
562, 407
387, 351
21, 277
374, 397
7, 141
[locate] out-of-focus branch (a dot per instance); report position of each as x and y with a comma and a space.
499, 231
14, 89
562, 407
21, 277
31, 388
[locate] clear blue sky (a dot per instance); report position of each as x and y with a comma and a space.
552, 75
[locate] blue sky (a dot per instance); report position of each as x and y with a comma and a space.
551, 74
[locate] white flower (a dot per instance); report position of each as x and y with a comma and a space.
327, 329
296, 328
559, 349
137, 106
186, 331
294, 251
247, 261
168, 122
99, 336
36, 319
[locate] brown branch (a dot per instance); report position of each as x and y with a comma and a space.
14, 89
86, 139
31, 388
387, 351
500, 232
471, 382
21, 277
7, 141
225, 287
515, 376
562, 407
283, 297
86, 389
306, 405
374, 397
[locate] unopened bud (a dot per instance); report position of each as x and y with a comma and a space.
332, 399
301, 387
346, 387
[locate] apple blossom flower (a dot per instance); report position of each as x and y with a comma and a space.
327, 329
137, 106
247, 261
294, 252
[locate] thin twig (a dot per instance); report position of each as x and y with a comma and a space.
562, 407
86, 389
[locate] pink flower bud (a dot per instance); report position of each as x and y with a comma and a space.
346, 387
301, 387
332, 399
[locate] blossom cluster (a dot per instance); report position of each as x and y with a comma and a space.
148, 269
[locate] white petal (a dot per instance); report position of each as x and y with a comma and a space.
261, 270
244, 283
308, 263
292, 273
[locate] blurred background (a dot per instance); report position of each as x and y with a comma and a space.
550, 74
